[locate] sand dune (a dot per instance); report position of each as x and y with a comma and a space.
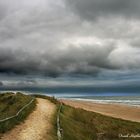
37, 126
114, 110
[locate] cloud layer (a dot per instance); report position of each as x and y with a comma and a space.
69, 37
92, 9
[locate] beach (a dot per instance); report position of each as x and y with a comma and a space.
125, 112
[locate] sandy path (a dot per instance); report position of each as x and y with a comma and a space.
37, 126
114, 110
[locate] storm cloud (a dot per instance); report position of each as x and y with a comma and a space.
69, 61
69, 37
92, 9
1, 83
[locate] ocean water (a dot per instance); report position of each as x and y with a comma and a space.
132, 99
117, 98
126, 98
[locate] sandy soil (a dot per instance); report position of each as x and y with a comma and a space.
114, 110
37, 126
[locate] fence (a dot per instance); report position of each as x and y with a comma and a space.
3, 120
59, 129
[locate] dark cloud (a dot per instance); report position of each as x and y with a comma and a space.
48, 38
91, 9
1, 84
25, 83
71, 61
80, 59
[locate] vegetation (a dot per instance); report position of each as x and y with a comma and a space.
54, 129
78, 124
10, 104
52, 99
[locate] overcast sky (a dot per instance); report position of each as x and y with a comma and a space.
93, 41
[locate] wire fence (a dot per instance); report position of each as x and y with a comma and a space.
8, 118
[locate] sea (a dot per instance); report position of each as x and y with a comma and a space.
126, 100
132, 99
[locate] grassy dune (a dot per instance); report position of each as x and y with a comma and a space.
10, 104
78, 124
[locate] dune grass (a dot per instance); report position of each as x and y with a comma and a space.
10, 104
54, 129
78, 124
52, 99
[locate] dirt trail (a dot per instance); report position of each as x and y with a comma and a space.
37, 126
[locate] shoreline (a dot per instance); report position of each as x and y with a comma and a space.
102, 102
116, 110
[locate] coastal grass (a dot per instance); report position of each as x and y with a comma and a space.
54, 128
10, 104
51, 99
79, 124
